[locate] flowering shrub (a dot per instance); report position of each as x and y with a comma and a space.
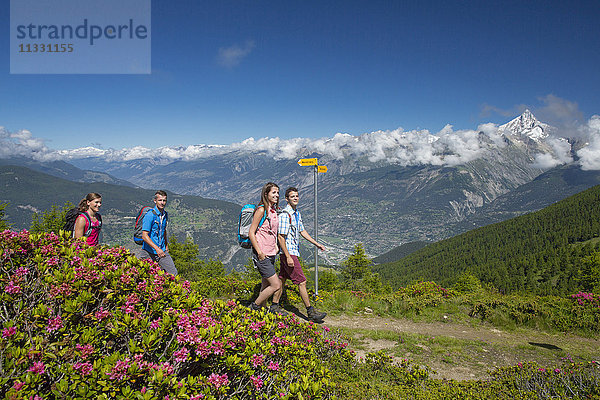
421, 295
579, 311
587, 299
571, 380
81, 322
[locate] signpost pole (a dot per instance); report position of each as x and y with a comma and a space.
316, 170
305, 162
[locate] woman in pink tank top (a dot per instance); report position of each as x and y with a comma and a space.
264, 242
90, 226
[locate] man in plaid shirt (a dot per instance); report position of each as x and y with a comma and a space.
289, 232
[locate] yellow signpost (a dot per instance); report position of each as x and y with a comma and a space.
305, 162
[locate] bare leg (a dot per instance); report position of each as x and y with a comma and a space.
273, 285
278, 293
264, 283
304, 294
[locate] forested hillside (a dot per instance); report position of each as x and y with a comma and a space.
399, 252
541, 252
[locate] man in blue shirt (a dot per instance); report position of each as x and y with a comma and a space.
289, 232
154, 234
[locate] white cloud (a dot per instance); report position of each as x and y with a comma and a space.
589, 156
232, 56
561, 154
416, 147
22, 143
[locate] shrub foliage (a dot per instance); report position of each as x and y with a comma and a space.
81, 322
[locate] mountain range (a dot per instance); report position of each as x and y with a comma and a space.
413, 187
382, 189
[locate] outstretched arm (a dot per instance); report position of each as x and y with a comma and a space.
306, 236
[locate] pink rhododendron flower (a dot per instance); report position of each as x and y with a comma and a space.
8, 332
197, 397
181, 355
84, 368
218, 380
52, 261
155, 324
12, 288
54, 324
119, 371
257, 359
257, 381
273, 366
102, 313
37, 368
86, 350
18, 385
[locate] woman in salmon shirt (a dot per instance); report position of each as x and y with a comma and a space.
264, 242
90, 226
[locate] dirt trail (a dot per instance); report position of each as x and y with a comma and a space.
475, 350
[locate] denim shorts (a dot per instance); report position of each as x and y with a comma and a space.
266, 267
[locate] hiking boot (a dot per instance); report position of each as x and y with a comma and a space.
253, 306
276, 309
314, 315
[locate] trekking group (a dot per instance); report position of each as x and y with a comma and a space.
150, 227
271, 232
265, 228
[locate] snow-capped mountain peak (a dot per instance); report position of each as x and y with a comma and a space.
526, 126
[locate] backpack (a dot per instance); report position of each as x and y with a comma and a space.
246, 216
72, 216
137, 229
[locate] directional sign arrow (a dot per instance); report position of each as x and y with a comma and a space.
307, 161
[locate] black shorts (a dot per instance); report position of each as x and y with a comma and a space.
266, 267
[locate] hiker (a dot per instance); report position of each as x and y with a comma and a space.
290, 230
264, 243
154, 234
89, 221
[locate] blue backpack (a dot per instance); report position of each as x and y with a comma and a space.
246, 216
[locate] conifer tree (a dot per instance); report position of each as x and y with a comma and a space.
357, 266
3, 223
52, 220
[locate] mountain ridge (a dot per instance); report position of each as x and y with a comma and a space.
382, 189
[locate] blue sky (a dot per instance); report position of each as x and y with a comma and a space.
228, 70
